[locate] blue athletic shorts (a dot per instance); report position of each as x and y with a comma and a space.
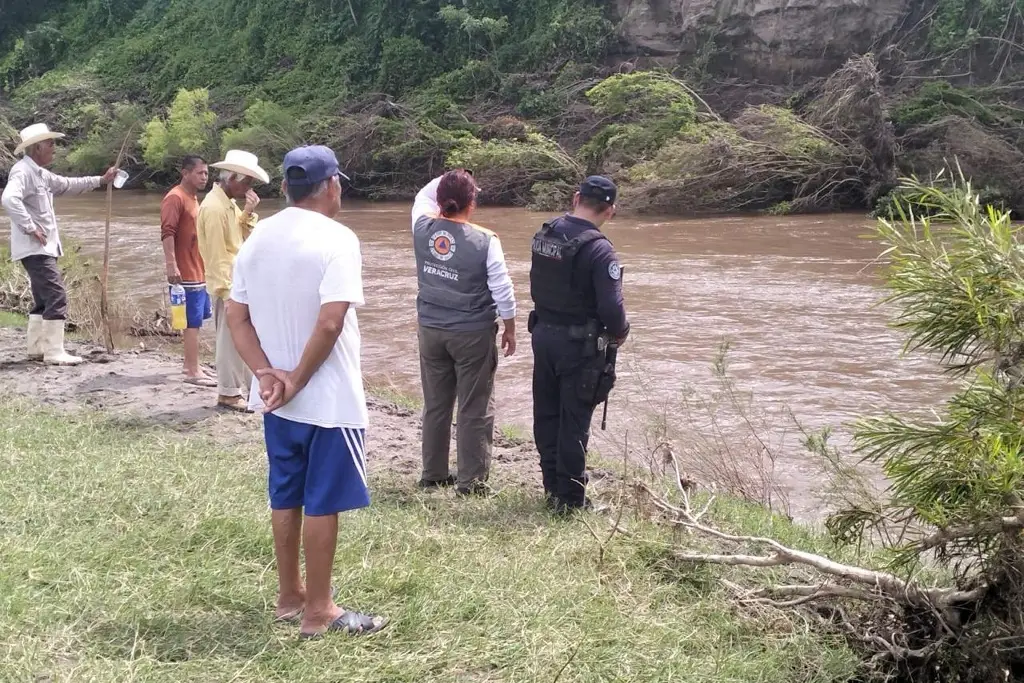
322, 470
197, 306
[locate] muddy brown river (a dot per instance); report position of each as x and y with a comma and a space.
794, 296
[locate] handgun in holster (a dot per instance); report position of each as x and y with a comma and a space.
592, 345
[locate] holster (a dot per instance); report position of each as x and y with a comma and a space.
597, 378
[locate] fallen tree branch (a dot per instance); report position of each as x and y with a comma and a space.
897, 589
944, 536
804, 594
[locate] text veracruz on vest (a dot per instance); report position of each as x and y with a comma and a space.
441, 272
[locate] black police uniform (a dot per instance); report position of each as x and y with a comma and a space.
576, 286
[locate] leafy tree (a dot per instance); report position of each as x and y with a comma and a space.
269, 131
107, 133
188, 129
405, 62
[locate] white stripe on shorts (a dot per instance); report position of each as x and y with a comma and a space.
354, 441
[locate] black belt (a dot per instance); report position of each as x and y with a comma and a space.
572, 331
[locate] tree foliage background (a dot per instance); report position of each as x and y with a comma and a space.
403, 88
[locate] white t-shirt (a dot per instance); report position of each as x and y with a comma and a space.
293, 263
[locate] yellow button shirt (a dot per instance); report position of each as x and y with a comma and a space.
221, 228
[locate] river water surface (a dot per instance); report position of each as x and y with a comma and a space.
794, 296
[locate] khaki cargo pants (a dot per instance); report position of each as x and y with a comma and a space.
458, 366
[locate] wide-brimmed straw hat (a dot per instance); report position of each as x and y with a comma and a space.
37, 132
242, 162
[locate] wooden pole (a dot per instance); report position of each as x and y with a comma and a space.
108, 334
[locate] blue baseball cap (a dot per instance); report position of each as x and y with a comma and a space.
310, 165
600, 188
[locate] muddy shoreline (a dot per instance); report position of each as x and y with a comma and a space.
145, 387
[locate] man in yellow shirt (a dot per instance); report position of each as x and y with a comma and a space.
221, 228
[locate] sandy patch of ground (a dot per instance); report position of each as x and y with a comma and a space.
146, 385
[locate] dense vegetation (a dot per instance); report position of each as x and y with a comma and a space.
531, 94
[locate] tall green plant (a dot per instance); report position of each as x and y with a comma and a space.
959, 24
189, 128
956, 277
269, 131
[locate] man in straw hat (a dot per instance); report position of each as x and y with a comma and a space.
222, 227
35, 240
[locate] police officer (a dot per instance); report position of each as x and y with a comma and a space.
576, 287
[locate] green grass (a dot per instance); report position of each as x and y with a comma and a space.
130, 554
387, 391
516, 435
11, 319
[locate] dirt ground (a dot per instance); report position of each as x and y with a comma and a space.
146, 385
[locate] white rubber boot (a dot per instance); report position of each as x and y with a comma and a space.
53, 345
35, 337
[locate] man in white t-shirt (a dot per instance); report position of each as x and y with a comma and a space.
297, 282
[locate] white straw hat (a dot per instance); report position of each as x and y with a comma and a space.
245, 163
37, 132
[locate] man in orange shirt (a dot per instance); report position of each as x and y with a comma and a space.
178, 212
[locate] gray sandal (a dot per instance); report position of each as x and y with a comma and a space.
352, 623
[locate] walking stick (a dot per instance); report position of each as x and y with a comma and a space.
104, 310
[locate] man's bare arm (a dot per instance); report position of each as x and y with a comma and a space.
171, 261
329, 325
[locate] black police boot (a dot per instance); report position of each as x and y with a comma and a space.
441, 483
565, 508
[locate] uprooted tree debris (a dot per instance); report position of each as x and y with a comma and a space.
935, 587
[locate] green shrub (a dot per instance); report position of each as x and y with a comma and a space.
107, 132
268, 131
573, 30
539, 104
14, 67
405, 62
551, 195
623, 144
473, 79
649, 107
507, 170
937, 99
783, 208
960, 24
188, 129
642, 94
7, 159
404, 151
32, 55
481, 34
766, 157
786, 132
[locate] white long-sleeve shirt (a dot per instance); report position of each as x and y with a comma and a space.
498, 280
28, 200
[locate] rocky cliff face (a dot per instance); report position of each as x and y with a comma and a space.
772, 41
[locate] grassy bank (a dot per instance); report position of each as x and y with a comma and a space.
133, 554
